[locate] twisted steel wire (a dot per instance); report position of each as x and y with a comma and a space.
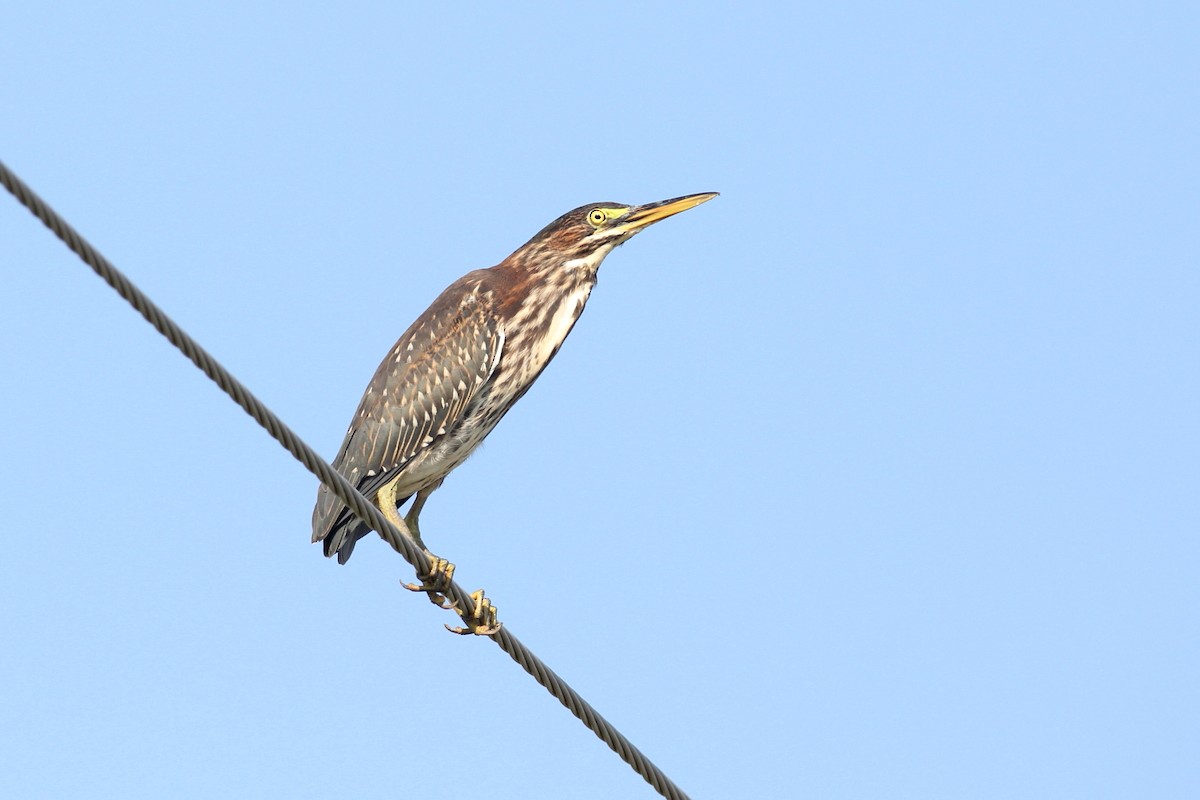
367, 511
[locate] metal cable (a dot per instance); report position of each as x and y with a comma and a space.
345, 492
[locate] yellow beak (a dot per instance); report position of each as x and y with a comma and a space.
639, 217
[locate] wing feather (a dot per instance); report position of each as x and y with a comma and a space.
420, 393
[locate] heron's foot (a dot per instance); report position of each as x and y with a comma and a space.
482, 622
435, 582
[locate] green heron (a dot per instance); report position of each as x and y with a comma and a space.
463, 364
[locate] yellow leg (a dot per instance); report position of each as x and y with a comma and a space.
441, 571
482, 621
414, 512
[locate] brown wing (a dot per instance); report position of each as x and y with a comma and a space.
418, 395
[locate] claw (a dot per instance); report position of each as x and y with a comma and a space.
482, 622
435, 582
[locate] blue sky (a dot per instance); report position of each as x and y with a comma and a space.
874, 477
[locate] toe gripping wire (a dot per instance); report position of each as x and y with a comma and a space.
463, 603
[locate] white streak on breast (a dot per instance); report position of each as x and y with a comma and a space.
561, 323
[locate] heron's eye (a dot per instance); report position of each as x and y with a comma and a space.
597, 217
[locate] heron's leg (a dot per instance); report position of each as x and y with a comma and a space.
482, 621
414, 512
440, 572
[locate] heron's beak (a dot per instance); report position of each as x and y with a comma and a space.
639, 217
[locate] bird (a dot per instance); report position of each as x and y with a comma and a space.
461, 366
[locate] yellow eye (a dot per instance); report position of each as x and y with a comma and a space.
597, 217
